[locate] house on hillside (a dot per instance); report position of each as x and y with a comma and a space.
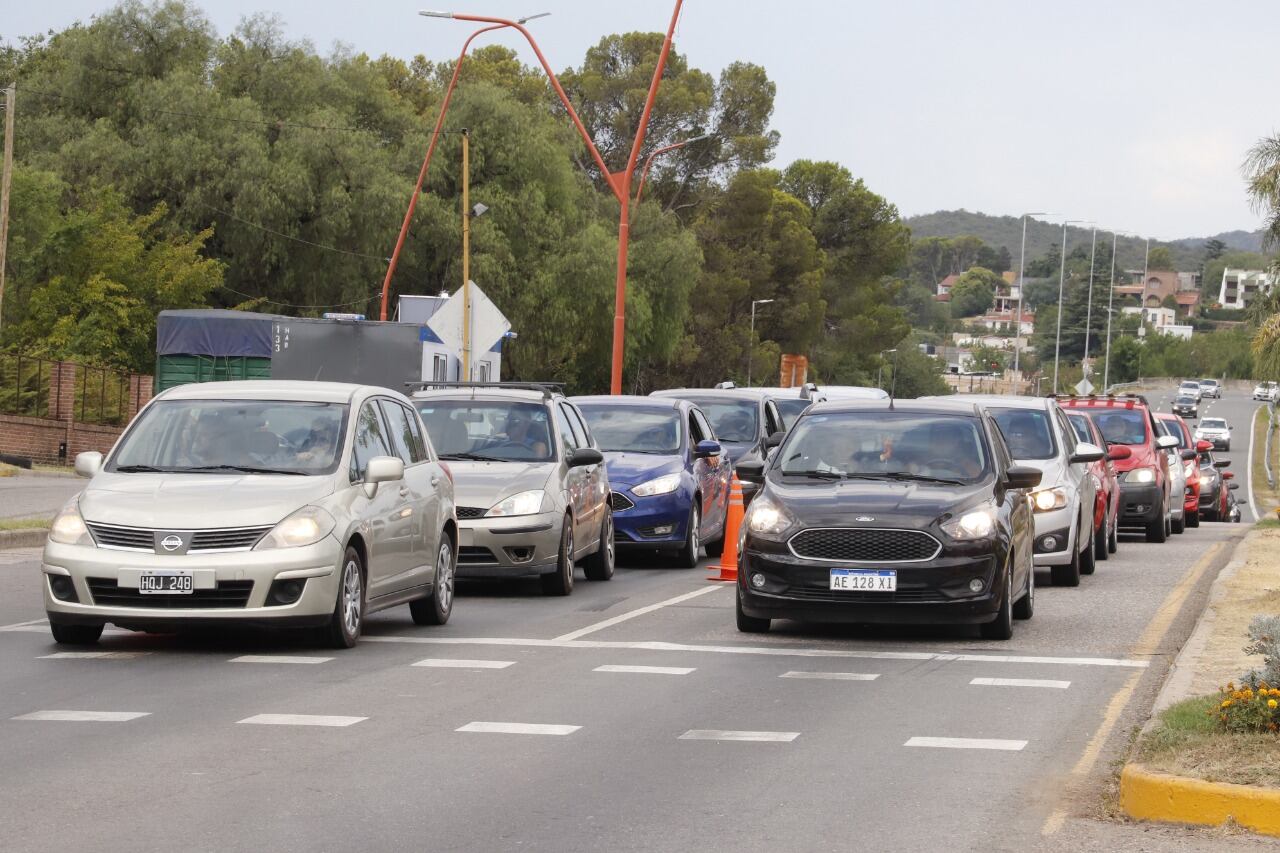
1239, 287
944, 288
1163, 320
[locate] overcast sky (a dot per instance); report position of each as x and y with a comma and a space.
1133, 113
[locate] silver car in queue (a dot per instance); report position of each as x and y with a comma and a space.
532, 488
284, 504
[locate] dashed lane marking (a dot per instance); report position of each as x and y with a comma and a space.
632, 614
84, 716
29, 625
459, 663
967, 743
645, 670
93, 655
300, 720
833, 676
278, 659
518, 728
724, 734
1021, 682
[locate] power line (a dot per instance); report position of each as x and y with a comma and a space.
364, 301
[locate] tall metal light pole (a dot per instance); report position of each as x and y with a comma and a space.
751, 344
1088, 311
1022, 287
1111, 290
1062, 280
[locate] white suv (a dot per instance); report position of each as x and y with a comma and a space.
1265, 391
1190, 388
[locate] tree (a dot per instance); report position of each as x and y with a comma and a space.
974, 293
1213, 249
1262, 172
1160, 258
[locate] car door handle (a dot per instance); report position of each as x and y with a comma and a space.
435, 480
404, 491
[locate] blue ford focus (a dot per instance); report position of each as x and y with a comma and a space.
669, 477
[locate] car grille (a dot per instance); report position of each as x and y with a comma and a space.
474, 555
143, 539
228, 594
618, 501
471, 512
902, 596
865, 545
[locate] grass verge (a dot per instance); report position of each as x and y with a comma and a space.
1186, 741
1264, 496
24, 524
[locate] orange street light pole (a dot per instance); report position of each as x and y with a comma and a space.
619, 182
644, 173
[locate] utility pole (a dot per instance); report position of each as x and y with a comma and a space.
466, 256
9, 94
1088, 313
1111, 289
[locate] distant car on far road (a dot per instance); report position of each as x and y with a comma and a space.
1265, 391
1210, 388
1215, 430
1190, 388
1186, 406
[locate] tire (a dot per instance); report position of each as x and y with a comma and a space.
1179, 525
343, 630
749, 624
1025, 607
1113, 544
1193, 518
716, 548
1001, 628
599, 566
1087, 559
75, 635
1157, 528
687, 556
436, 607
1101, 539
1226, 448
1068, 575
560, 582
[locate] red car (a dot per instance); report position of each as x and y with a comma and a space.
1106, 512
1178, 428
1126, 419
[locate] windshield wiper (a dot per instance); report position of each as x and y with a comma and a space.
636, 450
141, 469
472, 457
245, 469
921, 478
815, 474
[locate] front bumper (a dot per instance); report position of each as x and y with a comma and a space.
1060, 525
642, 524
1140, 504
519, 546
317, 565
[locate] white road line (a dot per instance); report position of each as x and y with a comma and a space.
16, 625
518, 729
28, 629
278, 659
631, 614
1021, 682
967, 743
458, 663
300, 720
779, 651
832, 676
84, 716
648, 670
93, 655
722, 734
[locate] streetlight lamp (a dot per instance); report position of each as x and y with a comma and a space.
1062, 280
649, 161
752, 342
619, 182
1022, 287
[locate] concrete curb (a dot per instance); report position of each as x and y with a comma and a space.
1147, 795
33, 538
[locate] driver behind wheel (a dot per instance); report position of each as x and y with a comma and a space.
951, 452
522, 431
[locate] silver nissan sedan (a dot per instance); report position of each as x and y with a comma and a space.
287, 504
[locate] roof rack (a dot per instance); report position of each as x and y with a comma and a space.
1131, 398
547, 389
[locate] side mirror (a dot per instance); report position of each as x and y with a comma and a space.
585, 456
1024, 476
706, 449
1228, 475
1188, 455
1204, 446
751, 471
88, 463
775, 439
1221, 463
1116, 452
1166, 442
1086, 452
382, 469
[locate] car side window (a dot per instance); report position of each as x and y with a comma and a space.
704, 425
419, 435
398, 431
695, 429
370, 441
1069, 440
773, 421
567, 437
578, 425
1004, 459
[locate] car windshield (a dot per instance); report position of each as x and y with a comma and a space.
1026, 431
1080, 423
731, 420
488, 430
791, 409
886, 445
1186, 401
632, 429
234, 436
1122, 426
1213, 423
1212, 383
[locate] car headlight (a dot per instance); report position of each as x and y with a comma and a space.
767, 518
977, 523
307, 526
663, 485
68, 527
523, 503
1139, 475
1045, 500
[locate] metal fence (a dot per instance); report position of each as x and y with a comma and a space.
102, 396
24, 387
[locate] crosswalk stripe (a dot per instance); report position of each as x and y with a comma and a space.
1021, 682
832, 676
727, 734
649, 670
93, 655
278, 659
459, 663
84, 716
967, 743
300, 720
518, 728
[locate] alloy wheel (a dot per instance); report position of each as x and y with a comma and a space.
444, 576
352, 598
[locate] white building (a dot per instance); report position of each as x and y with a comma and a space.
1163, 320
1239, 287
440, 317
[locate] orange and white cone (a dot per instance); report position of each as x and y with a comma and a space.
732, 524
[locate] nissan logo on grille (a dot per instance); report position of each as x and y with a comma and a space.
171, 542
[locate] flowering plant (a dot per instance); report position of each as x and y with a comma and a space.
1249, 708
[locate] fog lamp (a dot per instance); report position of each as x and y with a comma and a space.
976, 585
757, 580
663, 530
1050, 543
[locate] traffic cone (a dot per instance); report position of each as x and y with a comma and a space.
732, 524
